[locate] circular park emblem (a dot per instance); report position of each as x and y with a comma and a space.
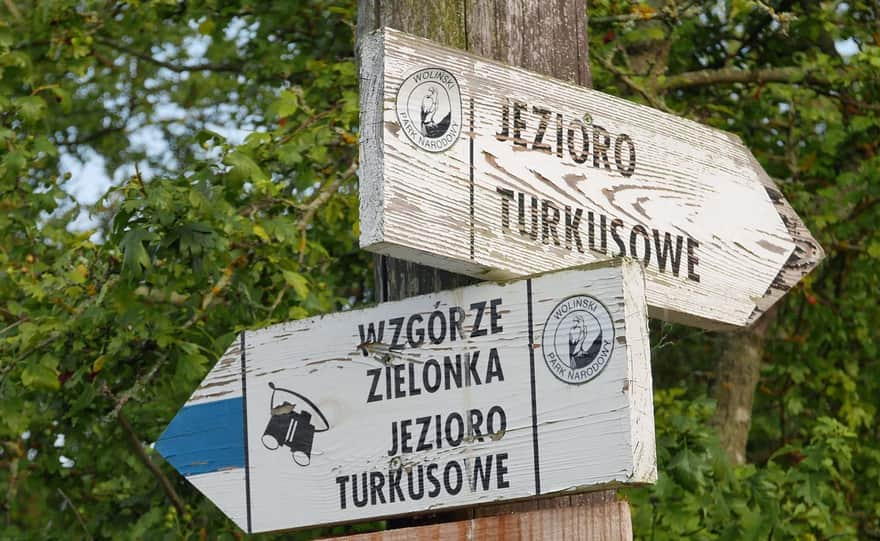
429, 109
578, 339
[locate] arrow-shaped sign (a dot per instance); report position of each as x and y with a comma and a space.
491, 392
494, 171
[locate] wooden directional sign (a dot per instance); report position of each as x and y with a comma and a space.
492, 392
493, 171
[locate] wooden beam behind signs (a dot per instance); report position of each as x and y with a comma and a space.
545, 37
504, 391
546, 175
597, 516
533, 34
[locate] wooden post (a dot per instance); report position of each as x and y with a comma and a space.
545, 37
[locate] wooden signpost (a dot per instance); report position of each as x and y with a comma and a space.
507, 390
492, 171
493, 392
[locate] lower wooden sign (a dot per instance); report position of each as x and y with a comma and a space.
497, 391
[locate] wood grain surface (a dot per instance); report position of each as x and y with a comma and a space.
597, 516
477, 395
541, 36
547, 37
546, 175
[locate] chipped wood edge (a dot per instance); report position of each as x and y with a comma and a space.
640, 382
807, 254
371, 73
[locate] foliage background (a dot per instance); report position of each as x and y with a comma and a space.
230, 129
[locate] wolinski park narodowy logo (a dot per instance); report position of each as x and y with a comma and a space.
578, 339
429, 109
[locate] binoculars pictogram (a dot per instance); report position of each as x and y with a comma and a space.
292, 427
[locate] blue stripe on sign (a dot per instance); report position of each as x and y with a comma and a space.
205, 438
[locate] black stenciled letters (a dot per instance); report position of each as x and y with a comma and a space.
415, 338
519, 123
477, 330
495, 316
542, 128
506, 198
616, 224
549, 221
397, 324
664, 252
575, 139
601, 144
693, 260
578, 157
619, 141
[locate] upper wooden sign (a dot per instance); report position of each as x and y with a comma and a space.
494, 171
491, 392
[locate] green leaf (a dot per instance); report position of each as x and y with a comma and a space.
13, 416
260, 232
15, 162
243, 168
318, 153
135, 256
290, 154
204, 135
206, 28
195, 237
44, 145
78, 274
297, 312
32, 108
297, 281
41, 375
6, 38
286, 105
191, 367
62, 97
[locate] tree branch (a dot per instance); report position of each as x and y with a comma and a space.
86, 139
327, 190
76, 513
129, 393
13, 10
733, 75
56, 333
138, 448
12, 326
651, 98
233, 68
627, 17
737, 373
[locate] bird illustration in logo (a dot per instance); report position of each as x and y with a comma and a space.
430, 108
582, 350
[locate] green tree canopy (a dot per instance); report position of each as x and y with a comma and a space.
230, 130
105, 332
799, 82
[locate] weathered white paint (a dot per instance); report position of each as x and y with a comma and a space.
690, 181
588, 436
226, 489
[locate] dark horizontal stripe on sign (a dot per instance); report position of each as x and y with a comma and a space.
205, 438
